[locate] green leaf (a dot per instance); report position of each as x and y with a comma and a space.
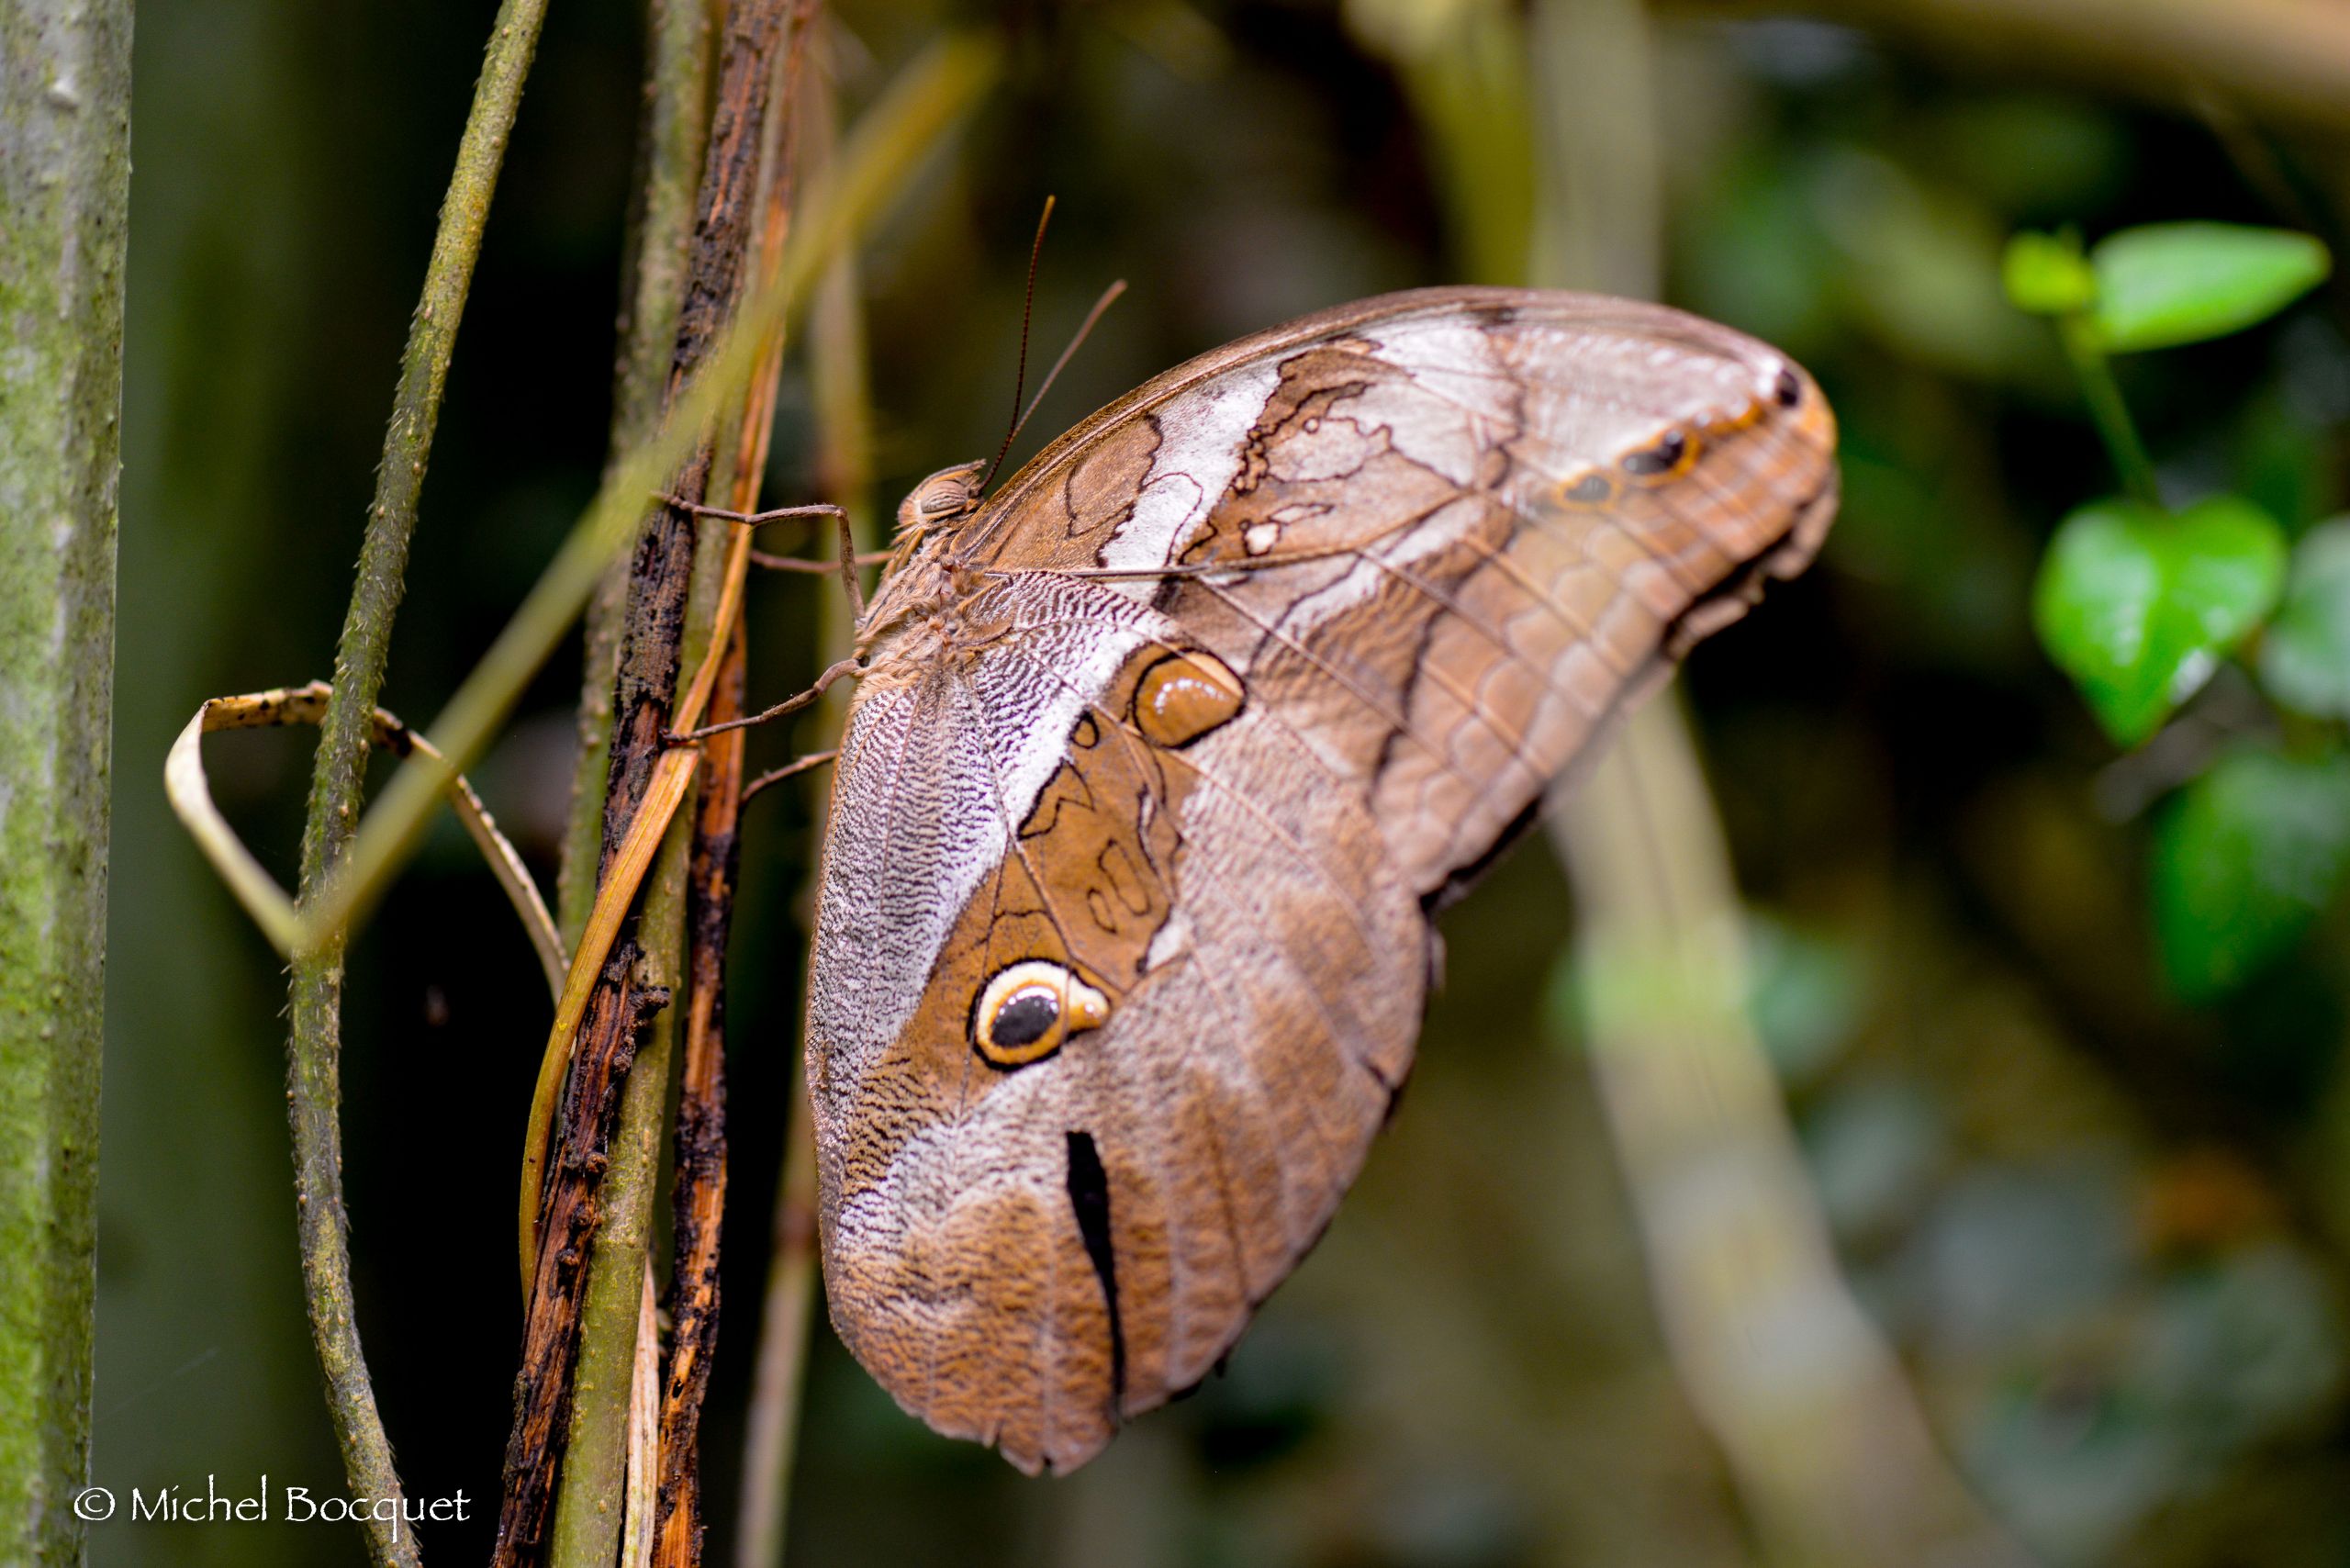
2249, 854
2045, 274
2181, 283
2139, 607
2305, 655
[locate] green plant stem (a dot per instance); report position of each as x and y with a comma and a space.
64, 192
1462, 68
676, 122
314, 1088
2107, 408
925, 101
781, 1373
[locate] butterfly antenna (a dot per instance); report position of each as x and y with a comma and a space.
1084, 330
1020, 378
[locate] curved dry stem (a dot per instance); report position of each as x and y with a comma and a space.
626, 874
190, 793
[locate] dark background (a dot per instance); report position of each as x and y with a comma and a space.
2105, 1231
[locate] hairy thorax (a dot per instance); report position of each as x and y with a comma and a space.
930, 609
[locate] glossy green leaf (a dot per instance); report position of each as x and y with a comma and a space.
2181, 283
2305, 657
2247, 857
2139, 607
2047, 275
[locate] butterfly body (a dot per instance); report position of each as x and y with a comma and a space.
1165, 755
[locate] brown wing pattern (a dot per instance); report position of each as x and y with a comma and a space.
1466, 532
1187, 859
1123, 945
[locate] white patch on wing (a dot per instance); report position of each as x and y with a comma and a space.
933, 778
1471, 408
1199, 435
1579, 396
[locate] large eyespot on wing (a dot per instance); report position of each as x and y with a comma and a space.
1465, 529
1150, 987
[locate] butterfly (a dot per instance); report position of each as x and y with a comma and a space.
1163, 758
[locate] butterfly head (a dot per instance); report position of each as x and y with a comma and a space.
940, 501
921, 581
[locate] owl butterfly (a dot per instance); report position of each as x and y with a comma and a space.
1163, 759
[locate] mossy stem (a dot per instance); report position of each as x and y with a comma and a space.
64, 203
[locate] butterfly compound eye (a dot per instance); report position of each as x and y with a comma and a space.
1029, 1009
949, 493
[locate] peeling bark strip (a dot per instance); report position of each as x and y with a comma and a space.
617, 1014
699, 1196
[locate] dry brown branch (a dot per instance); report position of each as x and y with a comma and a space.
699, 1192
582, 1458
698, 1187
620, 1012
2285, 59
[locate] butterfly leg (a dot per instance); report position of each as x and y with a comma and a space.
753, 519
791, 769
790, 705
849, 559
796, 564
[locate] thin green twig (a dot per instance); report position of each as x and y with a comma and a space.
2106, 407
314, 1049
928, 97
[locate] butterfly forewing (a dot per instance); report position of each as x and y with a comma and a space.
1124, 939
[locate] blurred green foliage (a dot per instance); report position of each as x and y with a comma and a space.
2139, 607
2102, 1212
2244, 861
2305, 654
2168, 283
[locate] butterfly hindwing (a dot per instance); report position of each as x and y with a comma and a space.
1029, 1234
1123, 941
